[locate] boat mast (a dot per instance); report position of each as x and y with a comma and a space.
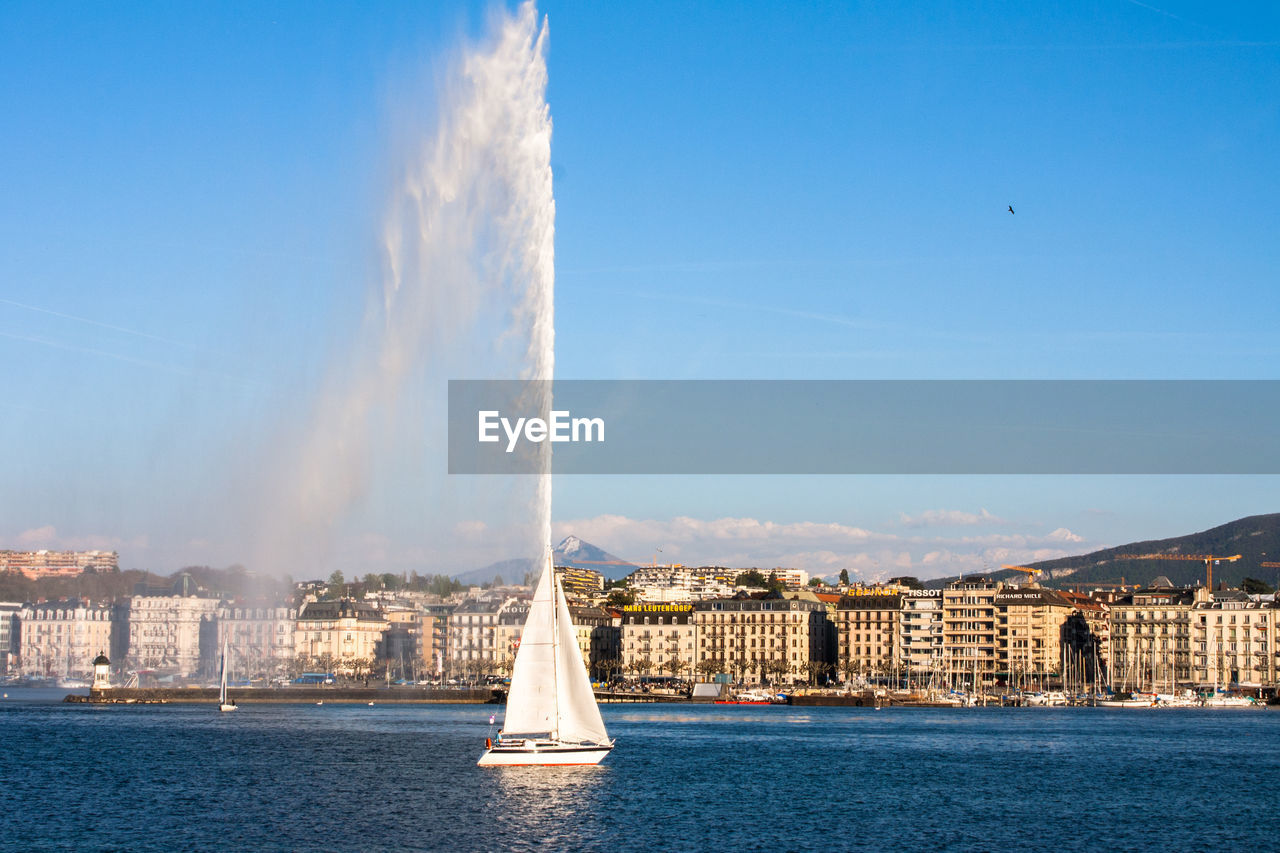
555, 643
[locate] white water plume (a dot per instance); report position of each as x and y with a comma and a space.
467, 293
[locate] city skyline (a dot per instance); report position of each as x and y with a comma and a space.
195, 201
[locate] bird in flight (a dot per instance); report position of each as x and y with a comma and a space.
1011, 208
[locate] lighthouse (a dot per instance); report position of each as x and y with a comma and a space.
101, 673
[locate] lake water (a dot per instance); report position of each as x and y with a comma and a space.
354, 777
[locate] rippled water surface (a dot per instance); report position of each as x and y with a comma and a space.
388, 777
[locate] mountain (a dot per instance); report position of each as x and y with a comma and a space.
511, 571
574, 552
571, 551
1256, 539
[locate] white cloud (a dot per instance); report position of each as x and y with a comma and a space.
821, 548
470, 530
38, 537
949, 518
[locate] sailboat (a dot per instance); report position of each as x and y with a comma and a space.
224, 704
551, 716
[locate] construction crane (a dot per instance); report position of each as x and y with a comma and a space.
1207, 559
1031, 573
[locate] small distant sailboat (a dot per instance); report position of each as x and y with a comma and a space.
224, 704
551, 715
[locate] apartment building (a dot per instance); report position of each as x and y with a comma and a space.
867, 635
1151, 637
8, 635
1233, 642
657, 639
1029, 623
969, 629
61, 638
43, 564
920, 633
259, 638
168, 633
345, 635
766, 638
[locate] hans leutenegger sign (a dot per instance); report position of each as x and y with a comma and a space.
864, 427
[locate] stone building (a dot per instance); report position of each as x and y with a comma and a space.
657, 640
343, 635
1029, 621
867, 635
9, 635
769, 638
1151, 637
259, 637
165, 633
1233, 642
61, 638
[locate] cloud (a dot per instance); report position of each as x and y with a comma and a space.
822, 548
949, 518
38, 537
1062, 534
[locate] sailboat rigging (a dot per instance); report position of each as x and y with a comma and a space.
223, 703
551, 715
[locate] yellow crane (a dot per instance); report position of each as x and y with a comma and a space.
1031, 573
1207, 559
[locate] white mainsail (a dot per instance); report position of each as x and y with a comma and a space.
550, 690
580, 720
531, 701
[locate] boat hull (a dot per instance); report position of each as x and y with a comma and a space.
544, 755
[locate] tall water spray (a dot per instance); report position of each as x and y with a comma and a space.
467, 293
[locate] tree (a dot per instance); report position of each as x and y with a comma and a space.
816, 582
622, 597
844, 576
908, 581
752, 578
707, 667
675, 665
779, 668
1253, 586
847, 666
774, 584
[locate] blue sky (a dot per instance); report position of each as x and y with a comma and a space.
192, 201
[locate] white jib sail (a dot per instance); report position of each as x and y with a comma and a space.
580, 720
222, 688
531, 701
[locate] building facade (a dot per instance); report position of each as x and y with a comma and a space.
768, 639
170, 634
1151, 638
1029, 622
657, 640
920, 635
969, 630
259, 638
61, 638
342, 636
868, 636
45, 564
1233, 642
